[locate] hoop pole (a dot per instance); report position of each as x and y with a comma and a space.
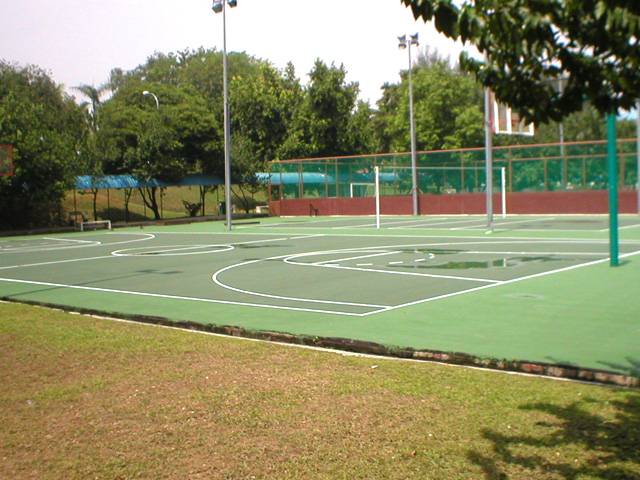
612, 163
376, 171
503, 190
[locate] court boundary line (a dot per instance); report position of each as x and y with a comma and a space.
318, 235
171, 297
89, 243
507, 282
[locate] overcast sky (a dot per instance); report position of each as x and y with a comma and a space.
80, 41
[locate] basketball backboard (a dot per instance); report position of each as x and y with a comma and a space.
507, 122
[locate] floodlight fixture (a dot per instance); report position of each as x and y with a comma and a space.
218, 5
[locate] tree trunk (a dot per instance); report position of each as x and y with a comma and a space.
94, 192
149, 198
127, 197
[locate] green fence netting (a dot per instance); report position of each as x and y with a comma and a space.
548, 167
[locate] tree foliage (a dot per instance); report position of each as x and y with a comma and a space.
447, 106
46, 129
594, 44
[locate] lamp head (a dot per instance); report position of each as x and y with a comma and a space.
402, 41
218, 5
414, 39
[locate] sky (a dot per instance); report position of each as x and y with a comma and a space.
79, 41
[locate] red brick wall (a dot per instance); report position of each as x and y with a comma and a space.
589, 201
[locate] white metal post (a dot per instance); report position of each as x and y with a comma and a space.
414, 173
503, 190
376, 171
488, 148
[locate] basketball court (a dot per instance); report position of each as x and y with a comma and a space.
428, 283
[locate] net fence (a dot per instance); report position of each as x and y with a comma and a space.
528, 168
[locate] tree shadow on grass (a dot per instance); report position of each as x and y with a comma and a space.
608, 447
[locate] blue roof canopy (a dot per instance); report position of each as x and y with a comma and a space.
87, 182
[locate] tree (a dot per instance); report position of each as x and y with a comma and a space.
321, 124
529, 45
46, 128
162, 143
261, 115
89, 154
447, 106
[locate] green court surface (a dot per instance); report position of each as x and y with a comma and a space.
536, 289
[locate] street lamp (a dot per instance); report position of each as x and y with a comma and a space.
219, 6
404, 43
147, 92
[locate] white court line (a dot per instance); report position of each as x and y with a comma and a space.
428, 225
393, 272
386, 223
69, 240
288, 259
420, 236
480, 252
96, 243
171, 251
353, 258
303, 237
175, 297
507, 223
56, 262
217, 281
504, 282
626, 227
347, 227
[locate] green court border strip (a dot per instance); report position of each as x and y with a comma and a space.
566, 372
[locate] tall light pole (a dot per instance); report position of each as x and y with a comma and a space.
220, 6
402, 44
147, 92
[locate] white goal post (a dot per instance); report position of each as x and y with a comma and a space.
358, 184
95, 225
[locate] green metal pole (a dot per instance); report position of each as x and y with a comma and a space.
612, 162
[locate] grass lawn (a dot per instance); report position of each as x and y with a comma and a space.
90, 398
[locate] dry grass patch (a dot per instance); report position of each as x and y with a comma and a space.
84, 397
